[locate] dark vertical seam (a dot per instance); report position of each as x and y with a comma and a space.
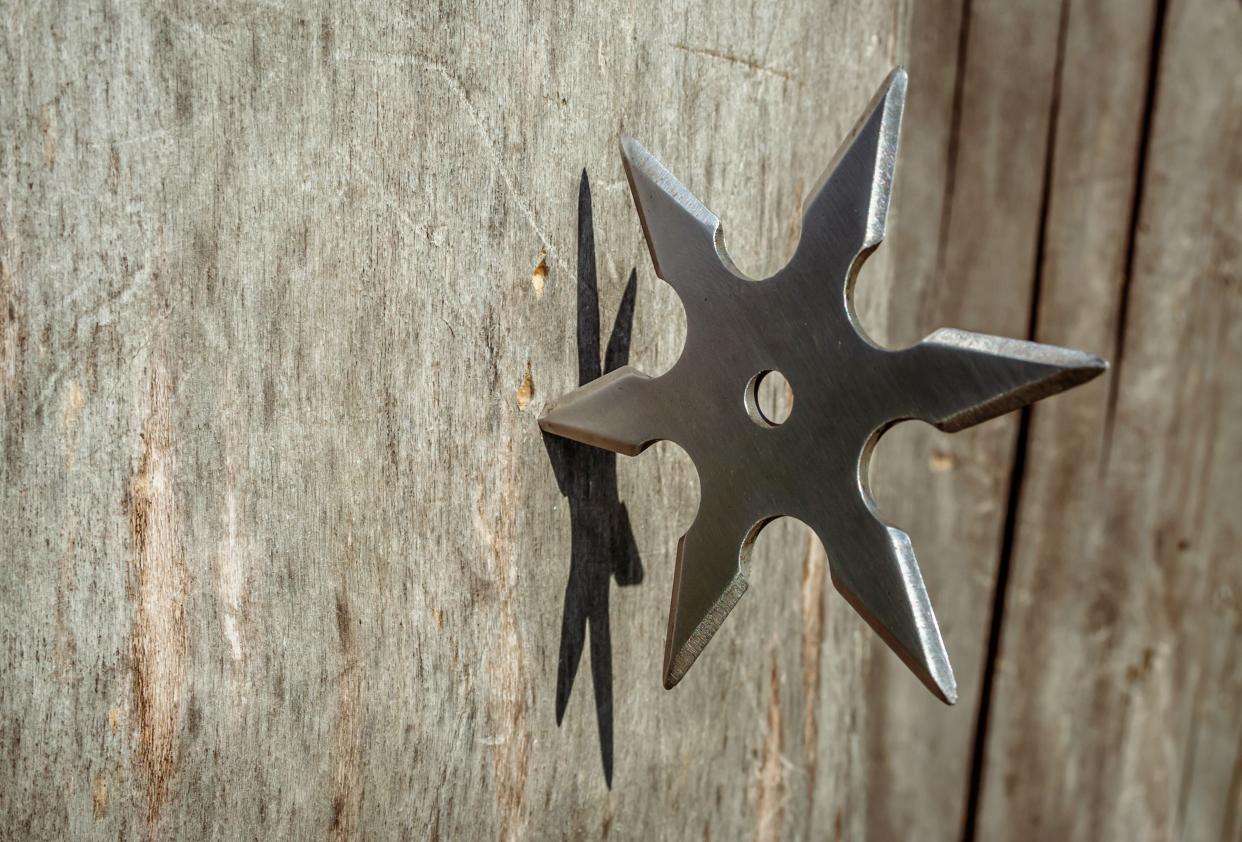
1018, 470
951, 152
1136, 209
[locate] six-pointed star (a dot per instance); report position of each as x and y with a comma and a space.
847, 390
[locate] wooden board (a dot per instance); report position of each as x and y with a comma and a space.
1116, 713
285, 287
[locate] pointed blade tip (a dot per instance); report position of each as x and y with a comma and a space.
932, 667
637, 160
680, 657
555, 421
547, 418
897, 81
632, 152
1096, 364
676, 665
1084, 368
944, 686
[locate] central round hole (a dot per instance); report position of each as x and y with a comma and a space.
769, 398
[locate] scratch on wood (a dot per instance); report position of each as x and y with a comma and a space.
748, 63
159, 574
523, 203
459, 91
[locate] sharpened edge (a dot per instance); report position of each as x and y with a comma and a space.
893, 95
931, 663
1066, 368
888, 104
678, 661
642, 170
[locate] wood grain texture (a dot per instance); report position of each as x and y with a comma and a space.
969, 196
1116, 714
284, 553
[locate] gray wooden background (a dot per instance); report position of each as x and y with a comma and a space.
285, 285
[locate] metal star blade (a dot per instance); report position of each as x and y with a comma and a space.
847, 390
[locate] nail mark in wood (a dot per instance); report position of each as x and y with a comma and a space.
539, 277
525, 390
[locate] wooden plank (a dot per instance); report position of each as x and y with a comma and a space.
284, 288
1116, 713
969, 193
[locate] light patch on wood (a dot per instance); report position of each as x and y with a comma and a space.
231, 580
814, 580
160, 585
75, 399
525, 390
539, 277
508, 701
99, 796
941, 461
768, 792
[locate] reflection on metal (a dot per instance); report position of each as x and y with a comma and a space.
848, 391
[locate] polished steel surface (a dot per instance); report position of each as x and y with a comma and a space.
847, 390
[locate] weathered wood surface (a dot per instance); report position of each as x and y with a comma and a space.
1118, 706
285, 286
284, 553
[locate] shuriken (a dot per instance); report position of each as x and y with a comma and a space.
848, 391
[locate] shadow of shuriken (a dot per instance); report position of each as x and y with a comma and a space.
602, 543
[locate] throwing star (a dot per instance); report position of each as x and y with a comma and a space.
848, 391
